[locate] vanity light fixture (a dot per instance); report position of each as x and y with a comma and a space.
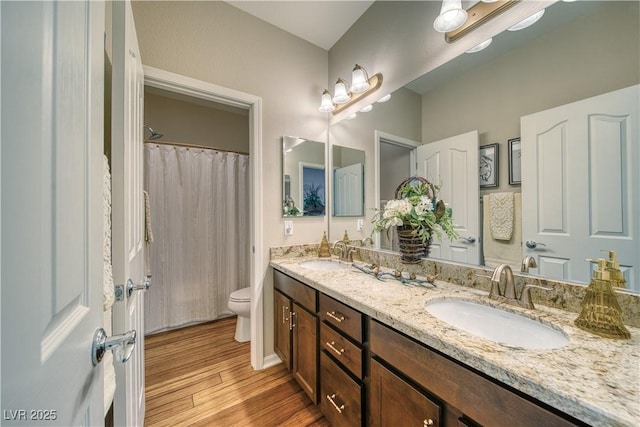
527, 22
452, 16
344, 95
481, 46
477, 15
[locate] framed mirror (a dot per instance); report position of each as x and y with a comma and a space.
348, 181
303, 177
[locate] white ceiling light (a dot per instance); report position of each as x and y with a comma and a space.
481, 46
452, 16
527, 22
385, 98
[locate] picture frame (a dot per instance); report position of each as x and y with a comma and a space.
488, 165
515, 158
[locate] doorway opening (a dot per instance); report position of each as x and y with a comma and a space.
180, 85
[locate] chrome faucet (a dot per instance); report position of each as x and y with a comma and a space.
346, 252
528, 262
509, 286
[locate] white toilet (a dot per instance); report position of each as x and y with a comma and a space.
240, 304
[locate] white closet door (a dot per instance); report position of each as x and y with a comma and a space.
452, 163
580, 185
52, 143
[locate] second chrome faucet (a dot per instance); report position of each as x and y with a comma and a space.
509, 293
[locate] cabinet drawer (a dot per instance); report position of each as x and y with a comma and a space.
340, 397
344, 318
302, 294
343, 350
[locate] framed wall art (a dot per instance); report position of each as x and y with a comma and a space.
488, 159
515, 173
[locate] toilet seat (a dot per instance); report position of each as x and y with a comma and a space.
241, 295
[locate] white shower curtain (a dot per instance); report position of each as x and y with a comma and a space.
200, 221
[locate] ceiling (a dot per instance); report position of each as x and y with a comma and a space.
319, 22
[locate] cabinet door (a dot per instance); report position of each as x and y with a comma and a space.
393, 402
305, 350
282, 327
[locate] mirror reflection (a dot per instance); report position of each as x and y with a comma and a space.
566, 57
348, 181
303, 177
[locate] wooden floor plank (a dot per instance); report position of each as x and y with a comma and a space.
200, 376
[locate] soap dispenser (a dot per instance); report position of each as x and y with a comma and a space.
601, 313
324, 251
615, 274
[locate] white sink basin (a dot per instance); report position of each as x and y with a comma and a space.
497, 325
323, 265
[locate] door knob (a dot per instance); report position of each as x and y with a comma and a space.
121, 345
130, 287
532, 244
470, 240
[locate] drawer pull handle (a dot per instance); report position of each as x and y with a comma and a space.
284, 315
427, 422
335, 350
292, 324
335, 316
338, 408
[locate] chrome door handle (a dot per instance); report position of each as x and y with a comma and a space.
121, 345
532, 244
130, 287
470, 240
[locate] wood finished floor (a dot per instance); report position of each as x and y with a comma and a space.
200, 376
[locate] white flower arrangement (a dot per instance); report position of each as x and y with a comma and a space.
418, 208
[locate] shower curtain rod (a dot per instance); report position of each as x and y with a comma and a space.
202, 147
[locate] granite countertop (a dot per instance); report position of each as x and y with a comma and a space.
593, 379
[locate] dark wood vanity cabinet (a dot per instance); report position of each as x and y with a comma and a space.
362, 372
401, 366
296, 330
342, 340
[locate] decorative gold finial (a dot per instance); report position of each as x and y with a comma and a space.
345, 238
601, 313
324, 251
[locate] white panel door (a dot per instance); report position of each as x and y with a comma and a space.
128, 209
581, 186
452, 164
348, 185
51, 173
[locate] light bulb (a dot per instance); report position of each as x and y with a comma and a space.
359, 80
326, 106
340, 94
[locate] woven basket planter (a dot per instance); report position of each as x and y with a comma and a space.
412, 247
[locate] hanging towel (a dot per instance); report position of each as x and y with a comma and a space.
496, 252
148, 235
108, 290
501, 215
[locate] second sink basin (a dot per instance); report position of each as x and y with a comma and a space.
323, 265
497, 325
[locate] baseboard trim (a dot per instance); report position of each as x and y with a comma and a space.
270, 360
